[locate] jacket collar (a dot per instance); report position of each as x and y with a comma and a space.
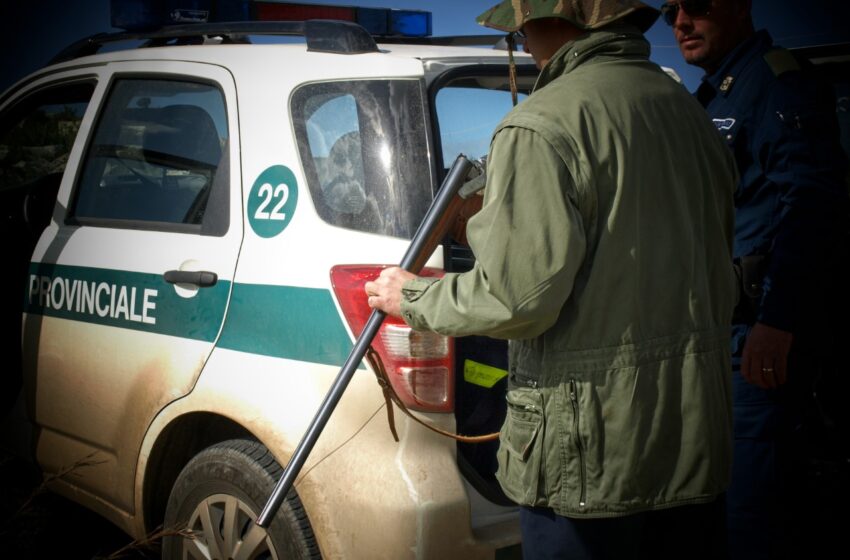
736, 61
616, 40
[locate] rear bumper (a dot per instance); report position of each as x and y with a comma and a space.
381, 499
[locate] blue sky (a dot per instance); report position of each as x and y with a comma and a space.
32, 31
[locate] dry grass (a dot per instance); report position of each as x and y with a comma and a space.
148, 543
31, 511
36, 523
87, 461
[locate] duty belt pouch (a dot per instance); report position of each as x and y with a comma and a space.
750, 271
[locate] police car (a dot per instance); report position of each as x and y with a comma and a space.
184, 200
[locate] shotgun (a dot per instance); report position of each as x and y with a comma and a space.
431, 232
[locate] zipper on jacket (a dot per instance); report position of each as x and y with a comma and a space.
574, 401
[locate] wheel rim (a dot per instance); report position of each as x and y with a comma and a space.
224, 529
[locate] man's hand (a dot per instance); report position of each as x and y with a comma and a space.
385, 292
765, 358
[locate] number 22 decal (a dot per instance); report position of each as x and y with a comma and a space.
272, 201
266, 189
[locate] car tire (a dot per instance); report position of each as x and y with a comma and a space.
219, 494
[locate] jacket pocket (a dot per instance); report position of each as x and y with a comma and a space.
521, 445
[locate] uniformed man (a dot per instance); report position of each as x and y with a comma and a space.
603, 253
779, 122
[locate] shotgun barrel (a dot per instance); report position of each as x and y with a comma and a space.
429, 235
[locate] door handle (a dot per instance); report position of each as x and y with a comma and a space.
200, 278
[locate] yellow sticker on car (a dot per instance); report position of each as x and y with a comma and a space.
482, 374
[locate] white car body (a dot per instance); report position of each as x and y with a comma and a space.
113, 391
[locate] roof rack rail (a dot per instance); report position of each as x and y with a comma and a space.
823, 50
332, 36
497, 41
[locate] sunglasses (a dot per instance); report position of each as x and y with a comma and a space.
520, 33
694, 8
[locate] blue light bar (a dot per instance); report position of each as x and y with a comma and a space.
374, 20
410, 23
135, 15
141, 15
145, 15
386, 22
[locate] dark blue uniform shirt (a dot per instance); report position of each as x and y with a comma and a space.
791, 201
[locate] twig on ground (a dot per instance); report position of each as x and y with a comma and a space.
148, 542
87, 461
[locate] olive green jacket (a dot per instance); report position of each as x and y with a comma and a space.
604, 253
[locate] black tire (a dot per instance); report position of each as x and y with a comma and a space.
230, 482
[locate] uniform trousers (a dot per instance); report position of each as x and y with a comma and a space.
695, 532
769, 464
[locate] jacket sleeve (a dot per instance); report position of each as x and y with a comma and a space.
528, 241
797, 146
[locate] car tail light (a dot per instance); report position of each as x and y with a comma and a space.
420, 365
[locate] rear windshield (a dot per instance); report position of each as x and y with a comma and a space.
364, 150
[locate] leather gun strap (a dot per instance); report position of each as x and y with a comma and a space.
391, 397
386, 387
512, 68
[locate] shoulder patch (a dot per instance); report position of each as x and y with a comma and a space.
781, 61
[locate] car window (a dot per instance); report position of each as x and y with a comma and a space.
36, 134
334, 139
159, 151
364, 150
467, 117
832, 65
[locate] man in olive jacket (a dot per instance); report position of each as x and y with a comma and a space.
603, 252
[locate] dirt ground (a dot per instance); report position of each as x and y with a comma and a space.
38, 524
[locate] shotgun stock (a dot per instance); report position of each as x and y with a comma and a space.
433, 229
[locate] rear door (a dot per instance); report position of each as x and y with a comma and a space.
127, 289
468, 102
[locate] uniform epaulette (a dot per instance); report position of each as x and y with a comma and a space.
781, 61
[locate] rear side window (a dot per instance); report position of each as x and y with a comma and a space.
467, 117
364, 150
158, 158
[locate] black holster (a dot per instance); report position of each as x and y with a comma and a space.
750, 271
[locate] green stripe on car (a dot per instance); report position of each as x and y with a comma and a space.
119, 298
278, 321
286, 322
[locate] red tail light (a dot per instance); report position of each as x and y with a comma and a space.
420, 365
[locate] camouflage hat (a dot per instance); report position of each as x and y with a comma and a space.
510, 15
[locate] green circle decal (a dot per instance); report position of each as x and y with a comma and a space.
272, 201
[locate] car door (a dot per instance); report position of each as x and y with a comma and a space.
127, 288
37, 130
